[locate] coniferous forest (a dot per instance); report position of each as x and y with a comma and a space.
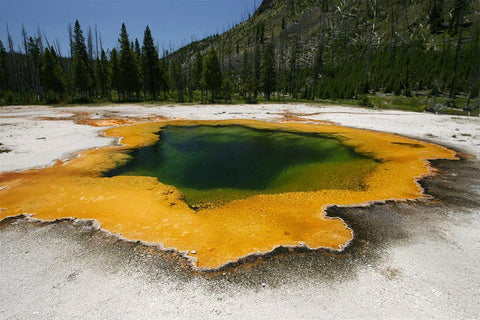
288, 50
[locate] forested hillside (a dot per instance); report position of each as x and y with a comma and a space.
343, 49
287, 49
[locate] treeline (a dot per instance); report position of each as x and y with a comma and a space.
130, 72
260, 59
41, 75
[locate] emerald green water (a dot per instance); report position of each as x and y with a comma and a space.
216, 164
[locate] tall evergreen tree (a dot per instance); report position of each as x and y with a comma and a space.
4, 72
269, 74
102, 74
435, 15
227, 89
26, 63
34, 50
52, 76
82, 71
138, 61
197, 71
150, 64
178, 80
475, 78
114, 72
245, 74
293, 71
257, 70
260, 32
16, 85
34, 61
137, 49
164, 86
458, 13
460, 9
282, 78
212, 73
129, 77
317, 68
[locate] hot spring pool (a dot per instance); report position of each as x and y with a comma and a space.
217, 164
220, 191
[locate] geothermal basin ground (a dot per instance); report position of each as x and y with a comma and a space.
409, 259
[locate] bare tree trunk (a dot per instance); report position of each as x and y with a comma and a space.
96, 43
90, 44
70, 37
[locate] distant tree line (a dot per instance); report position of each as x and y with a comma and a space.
40, 74
268, 67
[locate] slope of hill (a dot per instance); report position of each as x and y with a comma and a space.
343, 48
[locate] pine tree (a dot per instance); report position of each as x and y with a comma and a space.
317, 68
197, 71
150, 64
458, 13
475, 78
114, 72
293, 71
34, 58
137, 49
82, 71
269, 74
227, 89
244, 74
26, 63
212, 73
164, 86
460, 10
129, 78
138, 60
435, 15
16, 85
178, 80
4, 72
52, 76
260, 33
257, 70
282, 77
102, 74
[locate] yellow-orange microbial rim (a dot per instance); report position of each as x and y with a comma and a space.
141, 208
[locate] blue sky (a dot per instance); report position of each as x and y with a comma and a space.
171, 21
